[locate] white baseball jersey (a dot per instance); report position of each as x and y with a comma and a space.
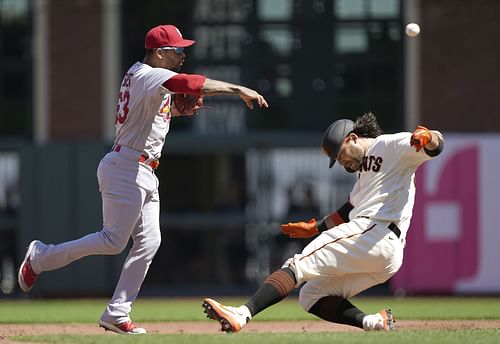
356, 255
131, 203
385, 189
143, 112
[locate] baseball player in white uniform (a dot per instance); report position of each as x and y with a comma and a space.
127, 182
361, 244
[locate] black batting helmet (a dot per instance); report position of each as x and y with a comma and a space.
334, 136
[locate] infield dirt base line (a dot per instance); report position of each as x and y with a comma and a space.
207, 327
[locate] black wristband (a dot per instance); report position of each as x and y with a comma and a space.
321, 225
435, 151
344, 211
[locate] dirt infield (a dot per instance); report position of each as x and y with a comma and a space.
205, 327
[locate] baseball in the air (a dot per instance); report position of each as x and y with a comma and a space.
412, 29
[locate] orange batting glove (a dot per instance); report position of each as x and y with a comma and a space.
420, 138
300, 229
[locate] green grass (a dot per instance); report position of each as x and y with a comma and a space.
160, 310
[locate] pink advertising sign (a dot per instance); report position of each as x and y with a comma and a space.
453, 242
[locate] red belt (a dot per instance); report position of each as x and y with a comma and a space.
142, 159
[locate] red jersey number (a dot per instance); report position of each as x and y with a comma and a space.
123, 99
122, 110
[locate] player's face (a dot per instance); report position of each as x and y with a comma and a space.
173, 58
351, 154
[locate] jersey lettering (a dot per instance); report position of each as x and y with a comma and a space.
371, 163
165, 109
123, 99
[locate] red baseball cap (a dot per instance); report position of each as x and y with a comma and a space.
165, 36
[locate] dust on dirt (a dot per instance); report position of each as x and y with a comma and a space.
207, 327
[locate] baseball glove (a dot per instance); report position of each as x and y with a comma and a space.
300, 229
186, 105
420, 138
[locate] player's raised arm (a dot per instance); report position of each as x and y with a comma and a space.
216, 88
430, 140
199, 85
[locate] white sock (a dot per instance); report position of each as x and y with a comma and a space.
243, 310
370, 321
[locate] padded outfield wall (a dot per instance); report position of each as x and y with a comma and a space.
452, 245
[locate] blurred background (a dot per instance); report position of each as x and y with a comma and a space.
230, 176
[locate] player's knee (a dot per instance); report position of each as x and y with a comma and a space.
310, 294
115, 244
153, 244
146, 246
305, 300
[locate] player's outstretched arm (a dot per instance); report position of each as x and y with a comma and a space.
216, 87
437, 139
300, 229
431, 140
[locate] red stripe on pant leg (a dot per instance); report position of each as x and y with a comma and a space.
334, 241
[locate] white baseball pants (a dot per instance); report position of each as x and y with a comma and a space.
346, 260
131, 209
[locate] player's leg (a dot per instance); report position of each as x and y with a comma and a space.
352, 258
122, 201
274, 289
47, 257
327, 298
146, 241
369, 259
339, 310
346, 249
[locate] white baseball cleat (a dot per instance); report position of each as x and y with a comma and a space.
232, 319
25, 276
381, 321
126, 327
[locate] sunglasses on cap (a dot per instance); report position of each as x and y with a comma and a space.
178, 51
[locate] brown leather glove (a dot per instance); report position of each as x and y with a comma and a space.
300, 229
186, 105
420, 137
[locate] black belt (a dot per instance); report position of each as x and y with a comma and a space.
395, 229
392, 226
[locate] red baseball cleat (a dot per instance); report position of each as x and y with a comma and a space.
126, 327
26, 277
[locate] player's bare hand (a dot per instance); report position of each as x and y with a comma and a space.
219, 88
249, 95
420, 138
300, 229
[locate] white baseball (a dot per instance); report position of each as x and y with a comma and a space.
412, 29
